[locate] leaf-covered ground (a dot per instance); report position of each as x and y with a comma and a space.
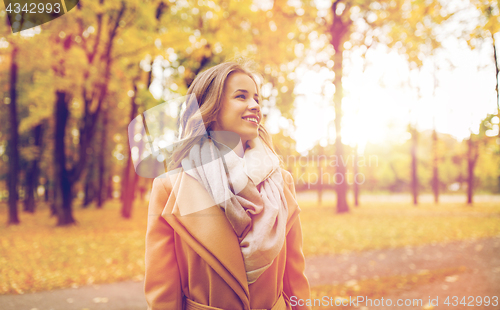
105, 248
386, 225
340, 295
102, 248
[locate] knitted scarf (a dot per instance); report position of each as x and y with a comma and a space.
250, 191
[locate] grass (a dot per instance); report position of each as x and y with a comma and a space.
376, 288
386, 225
102, 248
106, 248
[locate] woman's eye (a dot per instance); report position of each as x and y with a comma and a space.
241, 96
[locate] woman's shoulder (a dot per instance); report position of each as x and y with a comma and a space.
162, 184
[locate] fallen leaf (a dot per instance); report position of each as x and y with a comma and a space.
451, 279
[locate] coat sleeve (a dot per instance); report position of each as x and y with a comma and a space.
296, 285
162, 285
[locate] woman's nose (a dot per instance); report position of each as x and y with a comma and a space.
254, 105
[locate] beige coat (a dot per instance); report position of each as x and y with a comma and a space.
197, 256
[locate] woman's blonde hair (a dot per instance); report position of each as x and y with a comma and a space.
203, 105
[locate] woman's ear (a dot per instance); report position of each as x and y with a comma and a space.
212, 126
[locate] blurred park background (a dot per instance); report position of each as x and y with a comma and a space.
385, 112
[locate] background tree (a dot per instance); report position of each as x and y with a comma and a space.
414, 163
487, 28
351, 24
95, 76
435, 164
17, 80
481, 143
472, 155
13, 150
130, 178
32, 173
103, 152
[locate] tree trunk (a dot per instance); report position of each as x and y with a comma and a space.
33, 171
339, 30
435, 163
53, 192
129, 176
102, 168
65, 178
13, 141
414, 175
89, 188
320, 176
497, 89
142, 188
130, 193
356, 185
47, 192
62, 186
497, 72
341, 182
472, 155
110, 186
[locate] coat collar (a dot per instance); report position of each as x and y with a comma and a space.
192, 213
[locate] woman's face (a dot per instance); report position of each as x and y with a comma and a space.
240, 110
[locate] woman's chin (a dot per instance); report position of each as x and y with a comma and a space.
249, 136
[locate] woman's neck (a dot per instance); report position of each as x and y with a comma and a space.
240, 148
226, 139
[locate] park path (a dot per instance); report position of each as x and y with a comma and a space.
482, 278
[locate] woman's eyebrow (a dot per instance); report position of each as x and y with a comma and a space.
244, 91
241, 90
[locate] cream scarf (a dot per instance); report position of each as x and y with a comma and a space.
250, 190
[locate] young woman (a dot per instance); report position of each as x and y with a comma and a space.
223, 227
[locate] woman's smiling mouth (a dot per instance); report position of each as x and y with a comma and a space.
251, 119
